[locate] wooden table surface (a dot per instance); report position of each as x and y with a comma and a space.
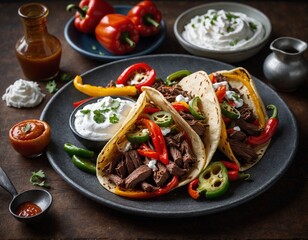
279, 213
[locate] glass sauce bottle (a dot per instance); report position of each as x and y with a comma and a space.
38, 52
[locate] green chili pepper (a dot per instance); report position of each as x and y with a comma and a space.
194, 108
74, 150
229, 111
162, 118
175, 77
213, 181
84, 164
138, 136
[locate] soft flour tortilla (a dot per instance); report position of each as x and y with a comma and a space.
199, 84
247, 89
111, 149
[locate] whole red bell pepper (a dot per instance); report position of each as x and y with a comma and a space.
139, 75
89, 13
117, 33
146, 18
269, 130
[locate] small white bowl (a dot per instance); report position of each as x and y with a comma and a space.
92, 144
229, 56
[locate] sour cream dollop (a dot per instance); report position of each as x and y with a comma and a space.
102, 119
221, 30
23, 94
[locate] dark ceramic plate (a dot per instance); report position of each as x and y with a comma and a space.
87, 45
177, 203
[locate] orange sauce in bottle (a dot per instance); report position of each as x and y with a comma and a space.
37, 51
36, 68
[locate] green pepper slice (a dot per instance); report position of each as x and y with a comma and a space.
229, 111
214, 181
138, 136
194, 108
162, 118
175, 77
74, 150
84, 164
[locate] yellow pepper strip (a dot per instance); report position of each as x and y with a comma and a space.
97, 91
242, 77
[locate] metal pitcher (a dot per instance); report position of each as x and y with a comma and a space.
286, 68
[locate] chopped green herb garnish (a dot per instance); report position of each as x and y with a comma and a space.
234, 42
27, 128
252, 26
101, 53
39, 179
230, 16
85, 111
99, 117
214, 19
65, 77
51, 86
230, 29
115, 104
236, 96
94, 47
114, 118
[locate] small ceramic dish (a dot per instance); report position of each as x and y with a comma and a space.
88, 142
88, 46
222, 55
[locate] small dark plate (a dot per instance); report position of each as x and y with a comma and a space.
176, 203
87, 45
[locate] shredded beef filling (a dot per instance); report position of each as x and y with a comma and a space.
237, 139
170, 93
132, 171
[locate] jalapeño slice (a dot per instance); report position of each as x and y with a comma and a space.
194, 108
162, 118
140, 136
229, 111
214, 180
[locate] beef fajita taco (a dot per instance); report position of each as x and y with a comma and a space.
195, 89
152, 153
244, 116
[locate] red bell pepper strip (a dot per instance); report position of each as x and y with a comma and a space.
146, 151
146, 18
158, 139
150, 110
233, 171
230, 165
192, 189
213, 78
269, 130
236, 175
139, 75
181, 106
143, 195
89, 13
76, 104
117, 33
221, 92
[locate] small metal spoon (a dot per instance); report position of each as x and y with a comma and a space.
40, 197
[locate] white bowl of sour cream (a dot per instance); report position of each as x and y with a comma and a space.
226, 31
97, 120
